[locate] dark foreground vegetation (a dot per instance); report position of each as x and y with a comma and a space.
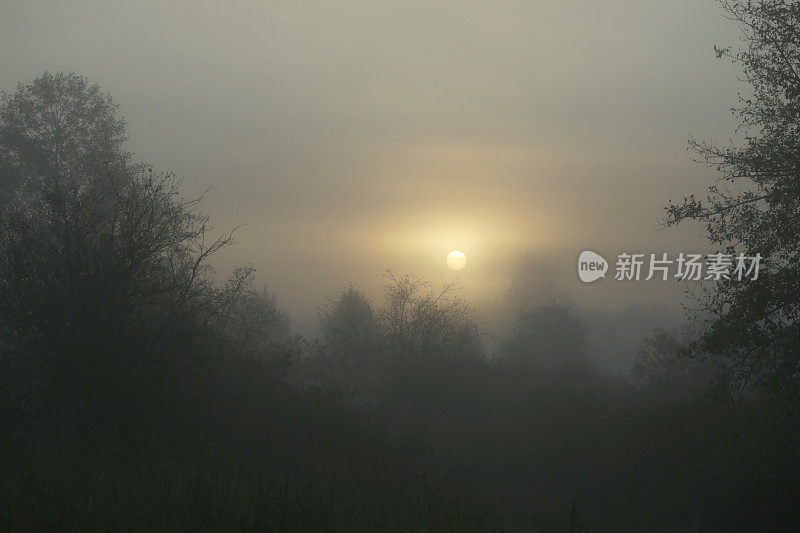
462, 445
140, 392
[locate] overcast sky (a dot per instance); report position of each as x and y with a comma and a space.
351, 137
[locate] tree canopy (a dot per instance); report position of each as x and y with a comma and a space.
755, 208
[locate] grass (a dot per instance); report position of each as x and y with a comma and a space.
77, 491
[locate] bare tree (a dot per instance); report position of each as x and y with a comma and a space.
421, 323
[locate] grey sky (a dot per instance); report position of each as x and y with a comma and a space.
354, 136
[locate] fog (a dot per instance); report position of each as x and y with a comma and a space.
224, 296
352, 138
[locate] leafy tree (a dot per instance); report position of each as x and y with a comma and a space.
350, 357
255, 326
756, 207
545, 331
546, 335
664, 367
534, 283
103, 266
58, 128
350, 329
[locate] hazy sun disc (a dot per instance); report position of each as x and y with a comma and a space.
456, 260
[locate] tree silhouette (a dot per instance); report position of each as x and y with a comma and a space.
350, 329
756, 207
547, 335
420, 323
103, 266
56, 129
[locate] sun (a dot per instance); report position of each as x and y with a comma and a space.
456, 260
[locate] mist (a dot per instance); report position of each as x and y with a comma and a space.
225, 298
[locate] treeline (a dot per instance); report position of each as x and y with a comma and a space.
140, 393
